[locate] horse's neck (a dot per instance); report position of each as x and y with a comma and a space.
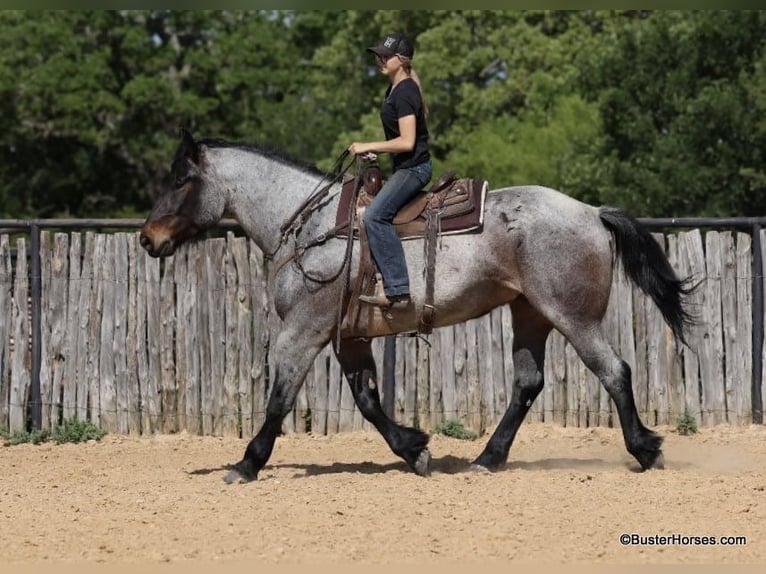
263, 193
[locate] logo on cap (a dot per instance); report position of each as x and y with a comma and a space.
390, 41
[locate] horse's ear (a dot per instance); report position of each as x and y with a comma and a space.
189, 146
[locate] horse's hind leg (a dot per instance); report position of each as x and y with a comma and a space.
614, 374
358, 364
530, 330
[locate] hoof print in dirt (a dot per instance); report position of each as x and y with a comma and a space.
478, 469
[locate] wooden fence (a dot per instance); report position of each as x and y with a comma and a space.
140, 345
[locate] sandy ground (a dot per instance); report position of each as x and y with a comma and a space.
565, 497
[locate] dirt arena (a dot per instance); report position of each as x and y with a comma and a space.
566, 497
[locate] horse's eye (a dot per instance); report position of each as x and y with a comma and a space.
180, 181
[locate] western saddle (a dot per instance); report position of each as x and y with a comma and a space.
450, 206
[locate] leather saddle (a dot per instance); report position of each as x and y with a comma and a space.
450, 206
459, 204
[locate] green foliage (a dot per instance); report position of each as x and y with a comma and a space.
74, 430
676, 99
662, 113
543, 150
685, 424
455, 429
24, 437
69, 431
91, 102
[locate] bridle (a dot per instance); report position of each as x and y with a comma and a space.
294, 224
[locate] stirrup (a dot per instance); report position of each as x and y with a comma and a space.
382, 301
378, 299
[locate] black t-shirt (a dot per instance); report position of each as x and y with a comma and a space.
402, 101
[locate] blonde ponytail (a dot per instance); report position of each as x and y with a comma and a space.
407, 64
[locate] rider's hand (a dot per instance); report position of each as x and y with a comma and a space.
358, 148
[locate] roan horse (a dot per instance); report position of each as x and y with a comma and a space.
548, 256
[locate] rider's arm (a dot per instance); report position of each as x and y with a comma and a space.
404, 143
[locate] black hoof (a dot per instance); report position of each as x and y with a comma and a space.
651, 459
422, 465
649, 452
413, 448
241, 473
490, 461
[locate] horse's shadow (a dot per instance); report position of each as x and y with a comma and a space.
211, 470
445, 465
573, 464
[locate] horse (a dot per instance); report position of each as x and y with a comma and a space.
548, 256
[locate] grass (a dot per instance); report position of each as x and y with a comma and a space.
74, 430
685, 424
455, 429
23, 437
69, 431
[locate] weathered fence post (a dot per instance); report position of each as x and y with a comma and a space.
757, 325
36, 288
389, 375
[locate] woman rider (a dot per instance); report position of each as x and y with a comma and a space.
403, 115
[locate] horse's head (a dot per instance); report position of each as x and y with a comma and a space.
184, 212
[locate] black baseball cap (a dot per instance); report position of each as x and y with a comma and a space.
393, 44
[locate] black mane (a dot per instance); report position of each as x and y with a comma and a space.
264, 150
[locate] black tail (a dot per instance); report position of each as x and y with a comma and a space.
649, 268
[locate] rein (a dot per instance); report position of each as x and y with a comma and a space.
293, 223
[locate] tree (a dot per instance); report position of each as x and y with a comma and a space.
662, 113
675, 100
92, 101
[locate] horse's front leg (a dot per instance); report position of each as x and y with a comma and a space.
358, 364
294, 354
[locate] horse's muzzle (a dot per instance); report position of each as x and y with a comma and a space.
157, 247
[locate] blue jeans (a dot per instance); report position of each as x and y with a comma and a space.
385, 245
